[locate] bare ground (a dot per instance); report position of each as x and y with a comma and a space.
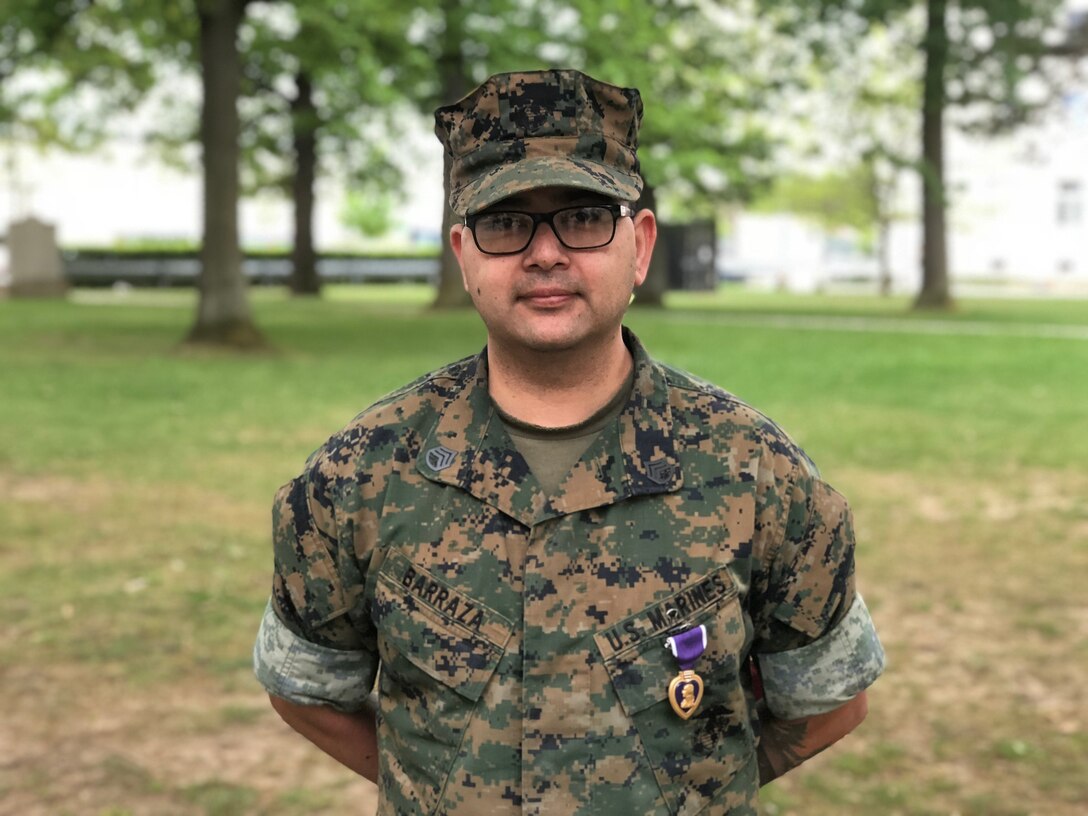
976, 589
77, 743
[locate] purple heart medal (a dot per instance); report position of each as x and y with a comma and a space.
686, 689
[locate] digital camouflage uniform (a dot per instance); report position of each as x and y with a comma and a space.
556, 128
517, 638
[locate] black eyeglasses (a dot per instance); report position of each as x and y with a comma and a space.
508, 232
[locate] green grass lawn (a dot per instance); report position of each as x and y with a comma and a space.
136, 477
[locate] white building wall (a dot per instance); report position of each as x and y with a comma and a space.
776, 251
122, 193
1017, 219
1020, 203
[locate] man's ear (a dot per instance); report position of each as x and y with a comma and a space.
645, 238
457, 236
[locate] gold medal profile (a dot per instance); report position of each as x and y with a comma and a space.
685, 693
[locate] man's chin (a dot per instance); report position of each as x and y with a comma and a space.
541, 342
560, 341
546, 345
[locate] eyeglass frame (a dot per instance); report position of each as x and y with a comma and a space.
618, 211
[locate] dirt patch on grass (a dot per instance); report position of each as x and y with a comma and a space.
63, 491
66, 494
977, 593
82, 743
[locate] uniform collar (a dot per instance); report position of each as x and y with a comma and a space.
468, 447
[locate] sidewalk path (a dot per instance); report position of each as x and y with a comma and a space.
898, 326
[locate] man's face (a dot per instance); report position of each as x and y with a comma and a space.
548, 297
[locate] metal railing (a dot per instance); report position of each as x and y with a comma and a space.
106, 269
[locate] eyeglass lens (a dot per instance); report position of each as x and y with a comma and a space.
585, 227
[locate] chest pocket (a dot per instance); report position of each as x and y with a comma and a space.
439, 649
696, 759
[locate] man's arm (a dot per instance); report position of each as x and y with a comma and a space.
349, 738
785, 744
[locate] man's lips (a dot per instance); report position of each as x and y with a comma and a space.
547, 297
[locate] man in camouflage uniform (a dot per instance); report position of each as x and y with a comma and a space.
509, 544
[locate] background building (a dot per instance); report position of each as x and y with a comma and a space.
1017, 222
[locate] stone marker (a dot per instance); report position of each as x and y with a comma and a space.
35, 263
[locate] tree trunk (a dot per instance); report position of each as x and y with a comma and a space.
652, 291
451, 292
881, 195
883, 250
304, 279
935, 292
223, 315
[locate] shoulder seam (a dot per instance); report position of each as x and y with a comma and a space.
447, 372
762, 423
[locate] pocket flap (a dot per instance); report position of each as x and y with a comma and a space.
641, 667
450, 637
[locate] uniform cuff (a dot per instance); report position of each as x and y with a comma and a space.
826, 673
302, 672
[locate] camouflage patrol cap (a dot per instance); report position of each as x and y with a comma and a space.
554, 128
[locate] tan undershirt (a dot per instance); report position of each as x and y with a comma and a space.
552, 452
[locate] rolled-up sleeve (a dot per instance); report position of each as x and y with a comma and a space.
306, 673
316, 644
825, 674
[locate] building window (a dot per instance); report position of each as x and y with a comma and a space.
1070, 202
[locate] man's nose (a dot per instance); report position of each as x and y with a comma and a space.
545, 249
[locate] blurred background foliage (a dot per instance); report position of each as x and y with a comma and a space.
294, 90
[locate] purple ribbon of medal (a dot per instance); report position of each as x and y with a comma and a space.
686, 689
